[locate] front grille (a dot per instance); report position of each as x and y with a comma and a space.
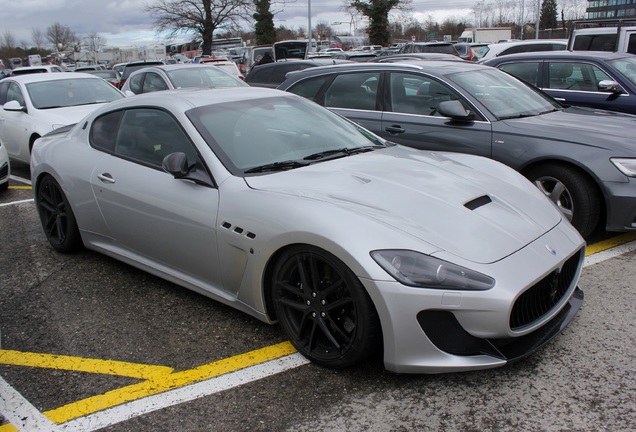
4, 171
539, 299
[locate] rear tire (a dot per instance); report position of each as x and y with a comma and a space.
575, 194
56, 216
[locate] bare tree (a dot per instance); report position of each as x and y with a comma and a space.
199, 17
38, 38
61, 37
93, 43
8, 40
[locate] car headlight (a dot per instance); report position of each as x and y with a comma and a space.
57, 126
419, 270
626, 166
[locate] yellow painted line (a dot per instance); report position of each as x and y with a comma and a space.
8, 428
610, 243
23, 188
78, 364
161, 383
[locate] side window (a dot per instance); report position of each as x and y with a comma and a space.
354, 91
575, 76
631, 45
525, 71
104, 131
153, 82
417, 94
309, 88
135, 83
14, 93
4, 87
149, 135
261, 75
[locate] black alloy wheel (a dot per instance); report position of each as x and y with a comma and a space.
57, 217
323, 308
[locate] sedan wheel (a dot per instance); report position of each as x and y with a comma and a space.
57, 217
574, 194
324, 308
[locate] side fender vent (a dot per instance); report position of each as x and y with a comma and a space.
238, 230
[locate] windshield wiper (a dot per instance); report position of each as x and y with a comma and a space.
277, 166
517, 116
341, 152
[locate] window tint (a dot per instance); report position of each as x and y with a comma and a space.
416, 94
4, 87
104, 131
149, 135
525, 71
575, 76
309, 88
153, 82
595, 42
135, 83
631, 45
353, 90
14, 93
260, 75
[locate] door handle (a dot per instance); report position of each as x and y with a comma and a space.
395, 129
106, 178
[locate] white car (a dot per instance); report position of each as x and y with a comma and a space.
514, 47
36, 69
36, 104
227, 65
5, 169
272, 204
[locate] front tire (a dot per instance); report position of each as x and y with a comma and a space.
572, 192
56, 216
323, 308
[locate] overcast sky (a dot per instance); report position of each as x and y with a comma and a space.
124, 22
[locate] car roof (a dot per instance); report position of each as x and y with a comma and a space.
29, 78
573, 55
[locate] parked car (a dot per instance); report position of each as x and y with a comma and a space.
615, 35
169, 77
583, 159
36, 104
416, 56
428, 47
5, 168
514, 47
247, 57
471, 51
89, 68
604, 80
273, 205
226, 65
136, 65
356, 56
119, 67
273, 74
111, 76
26, 70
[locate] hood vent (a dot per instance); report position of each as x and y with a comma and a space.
478, 202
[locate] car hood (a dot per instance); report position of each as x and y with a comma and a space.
67, 115
598, 128
472, 207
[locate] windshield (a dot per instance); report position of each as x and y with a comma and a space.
71, 92
202, 76
504, 96
626, 66
253, 133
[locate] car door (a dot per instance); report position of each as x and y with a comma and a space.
411, 116
576, 83
15, 126
168, 223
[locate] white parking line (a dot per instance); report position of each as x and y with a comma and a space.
20, 179
188, 393
20, 413
16, 202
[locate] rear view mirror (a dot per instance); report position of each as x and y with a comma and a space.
610, 87
454, 109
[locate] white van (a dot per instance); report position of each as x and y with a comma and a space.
606, 35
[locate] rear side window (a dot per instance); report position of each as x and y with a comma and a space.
525, 71
595, 42
631, 45
310, 88
353, 91
259, 75
104, 131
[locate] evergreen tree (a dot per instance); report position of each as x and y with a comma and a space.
264, 25
378, 13
548, 18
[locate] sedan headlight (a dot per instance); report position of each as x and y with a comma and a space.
424, 271
626, 166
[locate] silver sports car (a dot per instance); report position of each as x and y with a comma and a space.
272, 204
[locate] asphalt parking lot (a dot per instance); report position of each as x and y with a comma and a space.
88, 343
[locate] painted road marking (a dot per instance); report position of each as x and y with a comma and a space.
16, 202
162, 386
20, 179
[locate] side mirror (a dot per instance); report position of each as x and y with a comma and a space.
610, 87
14, 105
176, 164
454, 109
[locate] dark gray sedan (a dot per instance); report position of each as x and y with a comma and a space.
605, 80
584, 160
